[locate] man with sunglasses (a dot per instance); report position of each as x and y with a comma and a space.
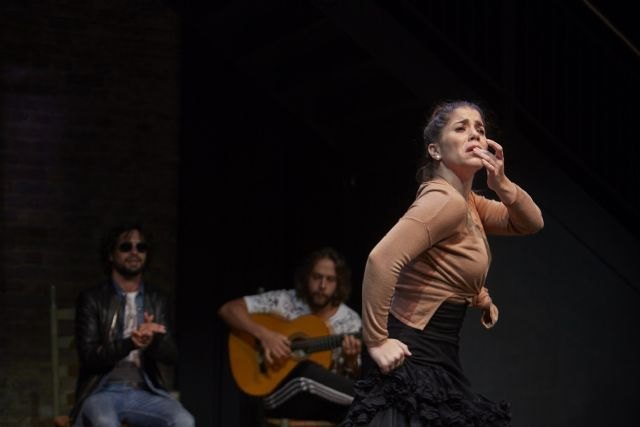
122, 332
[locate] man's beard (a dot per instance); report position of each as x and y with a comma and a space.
128, 272
319, 303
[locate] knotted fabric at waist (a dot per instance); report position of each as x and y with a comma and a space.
482, 300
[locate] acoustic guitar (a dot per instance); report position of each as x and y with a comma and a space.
310, 340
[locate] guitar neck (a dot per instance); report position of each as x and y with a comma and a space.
311, 345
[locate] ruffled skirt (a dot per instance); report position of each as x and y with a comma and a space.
430, 388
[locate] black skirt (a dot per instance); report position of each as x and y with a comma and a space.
429, 388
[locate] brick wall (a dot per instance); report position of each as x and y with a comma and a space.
88, 136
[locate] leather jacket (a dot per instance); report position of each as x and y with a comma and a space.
99, 341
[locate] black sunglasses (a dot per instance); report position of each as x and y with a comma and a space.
141, 247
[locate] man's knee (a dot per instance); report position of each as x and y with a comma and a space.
97, 413
183, 418
101, 420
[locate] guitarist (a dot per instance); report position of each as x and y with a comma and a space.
322, 285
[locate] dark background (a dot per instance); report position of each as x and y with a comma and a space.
312, 113
250, 133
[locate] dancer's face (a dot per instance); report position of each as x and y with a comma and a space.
463, 133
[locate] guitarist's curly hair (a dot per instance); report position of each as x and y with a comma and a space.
343, 275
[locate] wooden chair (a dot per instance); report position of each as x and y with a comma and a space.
64, 361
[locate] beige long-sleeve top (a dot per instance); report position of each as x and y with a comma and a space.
437, 251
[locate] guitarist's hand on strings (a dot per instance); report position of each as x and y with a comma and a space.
389, 355
276, 347
351, 347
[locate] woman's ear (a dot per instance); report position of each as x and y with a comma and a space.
434, 152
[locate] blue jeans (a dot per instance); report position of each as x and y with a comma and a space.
115, 403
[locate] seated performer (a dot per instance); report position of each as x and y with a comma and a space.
122, 335
310, 391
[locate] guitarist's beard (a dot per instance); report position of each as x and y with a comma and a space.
318, 300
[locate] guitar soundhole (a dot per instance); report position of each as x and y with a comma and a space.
262, 361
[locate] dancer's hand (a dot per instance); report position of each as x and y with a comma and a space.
389, 355
494, 165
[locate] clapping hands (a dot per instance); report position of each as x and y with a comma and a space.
143, 336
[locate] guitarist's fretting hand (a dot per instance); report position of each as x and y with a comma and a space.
276, 347
351, 347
